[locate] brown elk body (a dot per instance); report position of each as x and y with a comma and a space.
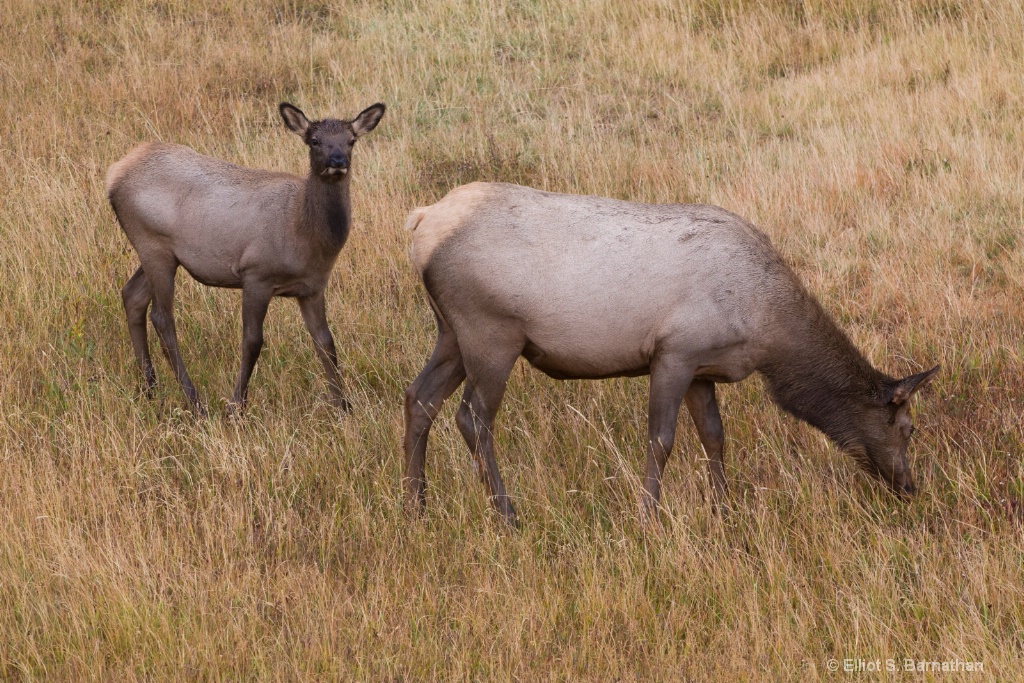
588, 288
268, 234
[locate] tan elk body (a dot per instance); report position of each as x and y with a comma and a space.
587, 288
268, 234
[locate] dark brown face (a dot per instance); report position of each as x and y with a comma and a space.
330, 141
886, 432
330, 148
886, 444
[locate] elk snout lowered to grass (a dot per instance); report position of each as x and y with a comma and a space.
588, 288
268, 234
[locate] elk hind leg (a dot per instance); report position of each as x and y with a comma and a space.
442, 375
487, 377
161, 282
136, 296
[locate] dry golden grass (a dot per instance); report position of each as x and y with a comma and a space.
878, 143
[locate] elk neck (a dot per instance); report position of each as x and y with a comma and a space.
817, 374
327, 211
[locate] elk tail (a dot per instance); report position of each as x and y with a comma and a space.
415, 216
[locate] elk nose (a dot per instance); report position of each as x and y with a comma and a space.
338, 160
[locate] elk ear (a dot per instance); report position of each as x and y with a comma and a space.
294, 119
368, 119
907, 386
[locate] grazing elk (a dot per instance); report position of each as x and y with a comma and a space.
589, 288
269, 234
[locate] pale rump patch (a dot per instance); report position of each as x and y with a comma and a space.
415, 216
121, 167
433, 225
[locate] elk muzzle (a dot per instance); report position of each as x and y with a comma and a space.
337, 164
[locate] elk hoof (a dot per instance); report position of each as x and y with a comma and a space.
649, 509
503, 506
650, 520
343, 405
513, 521
415, 506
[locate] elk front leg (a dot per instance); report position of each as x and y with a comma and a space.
255, 301
703, 407
668, 386
314, 314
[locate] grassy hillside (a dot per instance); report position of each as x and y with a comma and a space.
879, 144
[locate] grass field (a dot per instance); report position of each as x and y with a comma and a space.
880, 146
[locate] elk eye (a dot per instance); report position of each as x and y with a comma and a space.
313, 142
